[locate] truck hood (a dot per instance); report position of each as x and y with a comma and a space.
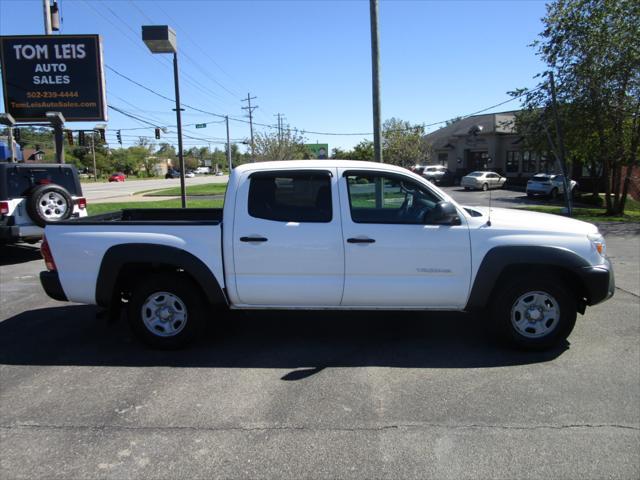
516, 219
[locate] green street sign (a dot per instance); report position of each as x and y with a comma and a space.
201, 125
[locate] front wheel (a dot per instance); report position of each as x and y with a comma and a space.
166, 311
485, 187
534, 314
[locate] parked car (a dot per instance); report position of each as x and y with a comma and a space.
418, 169
482, 181
202, 171
438, 174
219, 174
316, 234
117, 177
34, 195
172, 173
549, 185
189, 174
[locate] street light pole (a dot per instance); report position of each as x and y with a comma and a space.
162, 39
179, 120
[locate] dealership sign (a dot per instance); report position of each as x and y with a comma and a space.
47, 73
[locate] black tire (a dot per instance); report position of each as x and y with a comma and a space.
485, 187
554, 193
190, 303
530, 195
467, 188
42, 201
513, 293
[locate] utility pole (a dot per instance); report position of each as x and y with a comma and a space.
375, 74
229, 160
251, 109
46, 6
560, 139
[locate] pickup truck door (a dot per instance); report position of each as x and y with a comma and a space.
287, 239
392, 258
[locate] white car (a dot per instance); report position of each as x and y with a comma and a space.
549, 185
330, 235
189, 174
482, 181
202, 171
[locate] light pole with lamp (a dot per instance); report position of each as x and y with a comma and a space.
162, 39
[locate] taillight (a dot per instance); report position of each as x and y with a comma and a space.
47, 256
4, 208
81, 202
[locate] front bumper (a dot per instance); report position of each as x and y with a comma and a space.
599, 282
51, 283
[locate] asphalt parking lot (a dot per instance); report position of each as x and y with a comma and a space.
316, 395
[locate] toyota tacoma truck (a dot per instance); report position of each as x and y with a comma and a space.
336, 235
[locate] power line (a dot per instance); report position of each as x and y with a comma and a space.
312, 132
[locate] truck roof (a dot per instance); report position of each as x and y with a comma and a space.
326, 163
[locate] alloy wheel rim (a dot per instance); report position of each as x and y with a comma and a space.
52, 206
535, 314
164, 314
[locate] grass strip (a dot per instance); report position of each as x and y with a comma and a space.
592, 215
192, 190
98, 208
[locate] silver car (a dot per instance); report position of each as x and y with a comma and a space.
482, 181
549, 185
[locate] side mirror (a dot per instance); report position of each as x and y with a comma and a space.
444, 213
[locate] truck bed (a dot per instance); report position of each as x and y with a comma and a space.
155, 216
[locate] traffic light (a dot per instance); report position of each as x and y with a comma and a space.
81, 140
16, 134
157, 134
119, 137
69, 137
102, 132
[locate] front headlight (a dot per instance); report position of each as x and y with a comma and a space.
597, 240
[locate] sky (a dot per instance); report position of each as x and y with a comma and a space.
308, 60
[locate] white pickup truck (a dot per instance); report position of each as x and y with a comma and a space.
330, 234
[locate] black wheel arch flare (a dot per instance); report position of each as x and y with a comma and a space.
522, 258
153, 256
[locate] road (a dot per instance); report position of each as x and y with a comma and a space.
316, 395
120, 191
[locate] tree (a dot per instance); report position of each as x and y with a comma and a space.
166, 150
592, 47
142, 159
403, 143
287, 145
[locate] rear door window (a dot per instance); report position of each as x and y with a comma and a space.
291, 197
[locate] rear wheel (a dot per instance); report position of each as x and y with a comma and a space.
554, 193
485, 187
166, 311
535, 313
